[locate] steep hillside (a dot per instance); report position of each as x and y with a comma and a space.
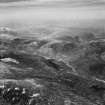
62, 70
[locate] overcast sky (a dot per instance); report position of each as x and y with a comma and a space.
52, 9
53, 2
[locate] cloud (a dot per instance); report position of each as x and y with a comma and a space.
7, 1
51, 0
49, 9
52, 3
